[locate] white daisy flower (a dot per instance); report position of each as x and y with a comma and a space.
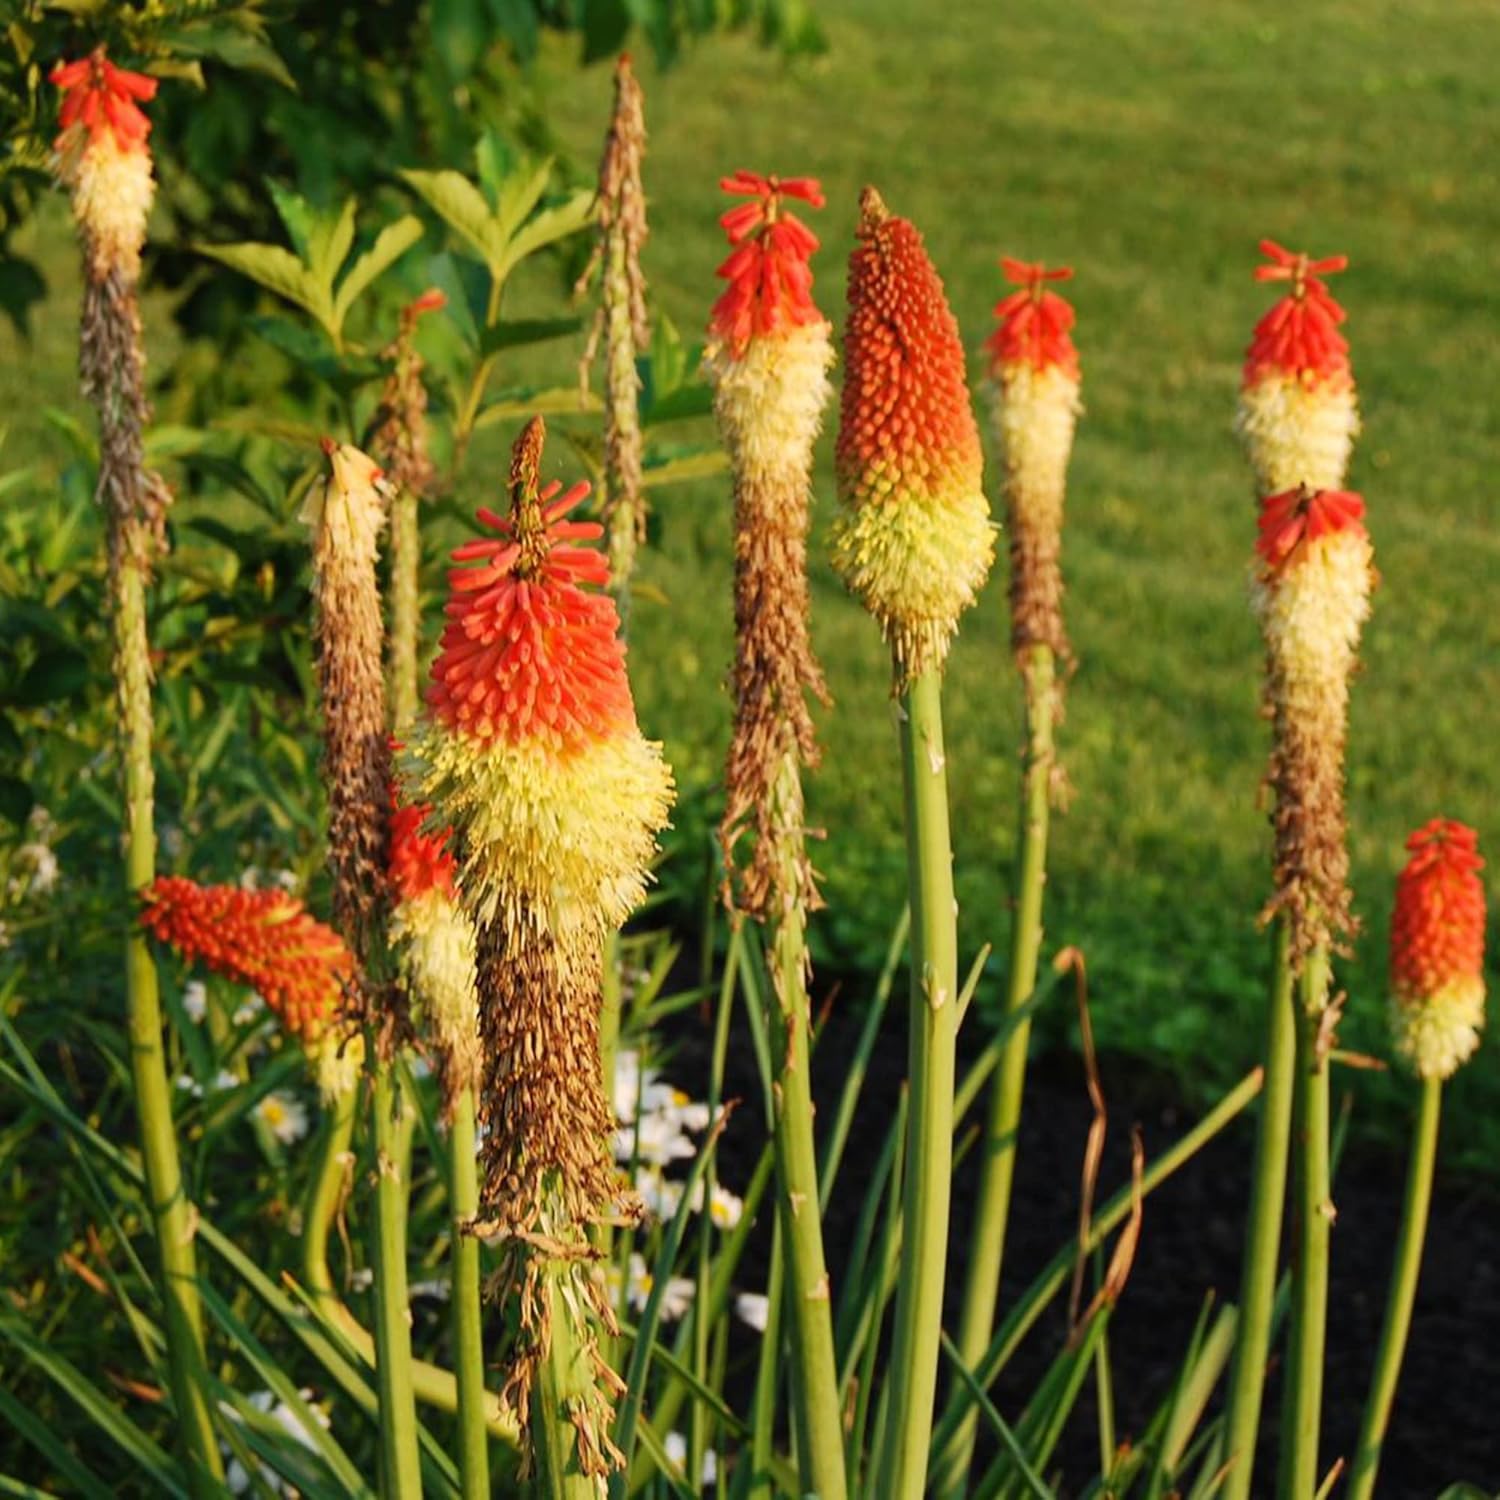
440, 1288
654, 1139
189, 1085
724, 1208
41, 863
284, 1115
676, 1298
224, 1080
676, 1448
235, 1475
753, 1308
627, 1083
248, 1009
195, 1000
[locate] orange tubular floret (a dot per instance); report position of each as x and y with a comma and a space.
99, 96
1437, 929
1299, 336
1296, 516
265, 939
527, 654
419, 862
905, 403
770, 280
1034, 324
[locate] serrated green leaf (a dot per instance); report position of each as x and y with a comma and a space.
519, 332
546, 228
277, 270
390, 245
518, 194
461, 206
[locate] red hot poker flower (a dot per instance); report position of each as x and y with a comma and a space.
1299, 336
101, 97
527, 654
1437, 929
1035, 324
265, 939
770, 280
1296, 516
419, 862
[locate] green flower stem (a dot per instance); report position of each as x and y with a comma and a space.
406, 625
468, 1318
400, 1472
172, 1214
912, 1384
564, 1384
815, 1368
1314, 1209
997, 1171
1403, 1292
325, 1193
1263, 1231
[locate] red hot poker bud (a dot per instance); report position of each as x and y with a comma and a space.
1297, 413
264, 939
1034, 324
99, 97
770, 280
915, 541
1437, 950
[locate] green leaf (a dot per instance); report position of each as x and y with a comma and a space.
667, 365
684, 468
296, 213
606, 24
390, 245
687, 401
517, 194
546, 228
329, 246
465, 283
236, 46
278, 271
519, 332
461, 206
309, 348
549, 402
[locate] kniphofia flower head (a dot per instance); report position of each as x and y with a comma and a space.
1437, 950
1298, 414
102, 157
1034, 325
265, 939
1033, 385
915, 542
768, 271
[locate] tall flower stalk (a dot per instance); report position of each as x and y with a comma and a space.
1034, 381
346, 510
1298, 418
768, 358
1437, 1013
102, 158
531, 753
914, 543
622, 322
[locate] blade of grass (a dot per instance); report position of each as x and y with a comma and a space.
1029, 1476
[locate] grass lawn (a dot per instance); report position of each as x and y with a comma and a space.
1150, 146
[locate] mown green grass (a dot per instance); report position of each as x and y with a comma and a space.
1150, 146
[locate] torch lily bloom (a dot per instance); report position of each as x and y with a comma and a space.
435, 939
1034, 384
1298, 414
1437, 950
915, 541
269, 941
1312, 595
102, 156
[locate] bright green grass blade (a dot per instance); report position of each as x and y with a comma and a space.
667, 1471
85, 1483
1031, 1478
9, 1486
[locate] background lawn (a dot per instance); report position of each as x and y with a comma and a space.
1150, 146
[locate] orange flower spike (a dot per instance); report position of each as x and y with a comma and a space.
1035, 325
101, 97
770, 280
1437, 949
264, 939
915, 542
419, 862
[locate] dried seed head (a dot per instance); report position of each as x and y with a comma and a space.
398, 434
915, 541
1312, 594
1298, 415
1437, 950
1034, 385
345, 510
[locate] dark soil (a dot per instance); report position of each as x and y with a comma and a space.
1445, 1426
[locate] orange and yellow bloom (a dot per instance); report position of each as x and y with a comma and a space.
1437, 950
1298, 415
915, 541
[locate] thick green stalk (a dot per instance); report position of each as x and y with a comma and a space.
172, 1214
406, 626
400, 1470
1403, 1292
1314, 1225
468, 1319
912, 1383
815, 1372
1263, 1230
564, 1385
997, 1170
325, 1192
